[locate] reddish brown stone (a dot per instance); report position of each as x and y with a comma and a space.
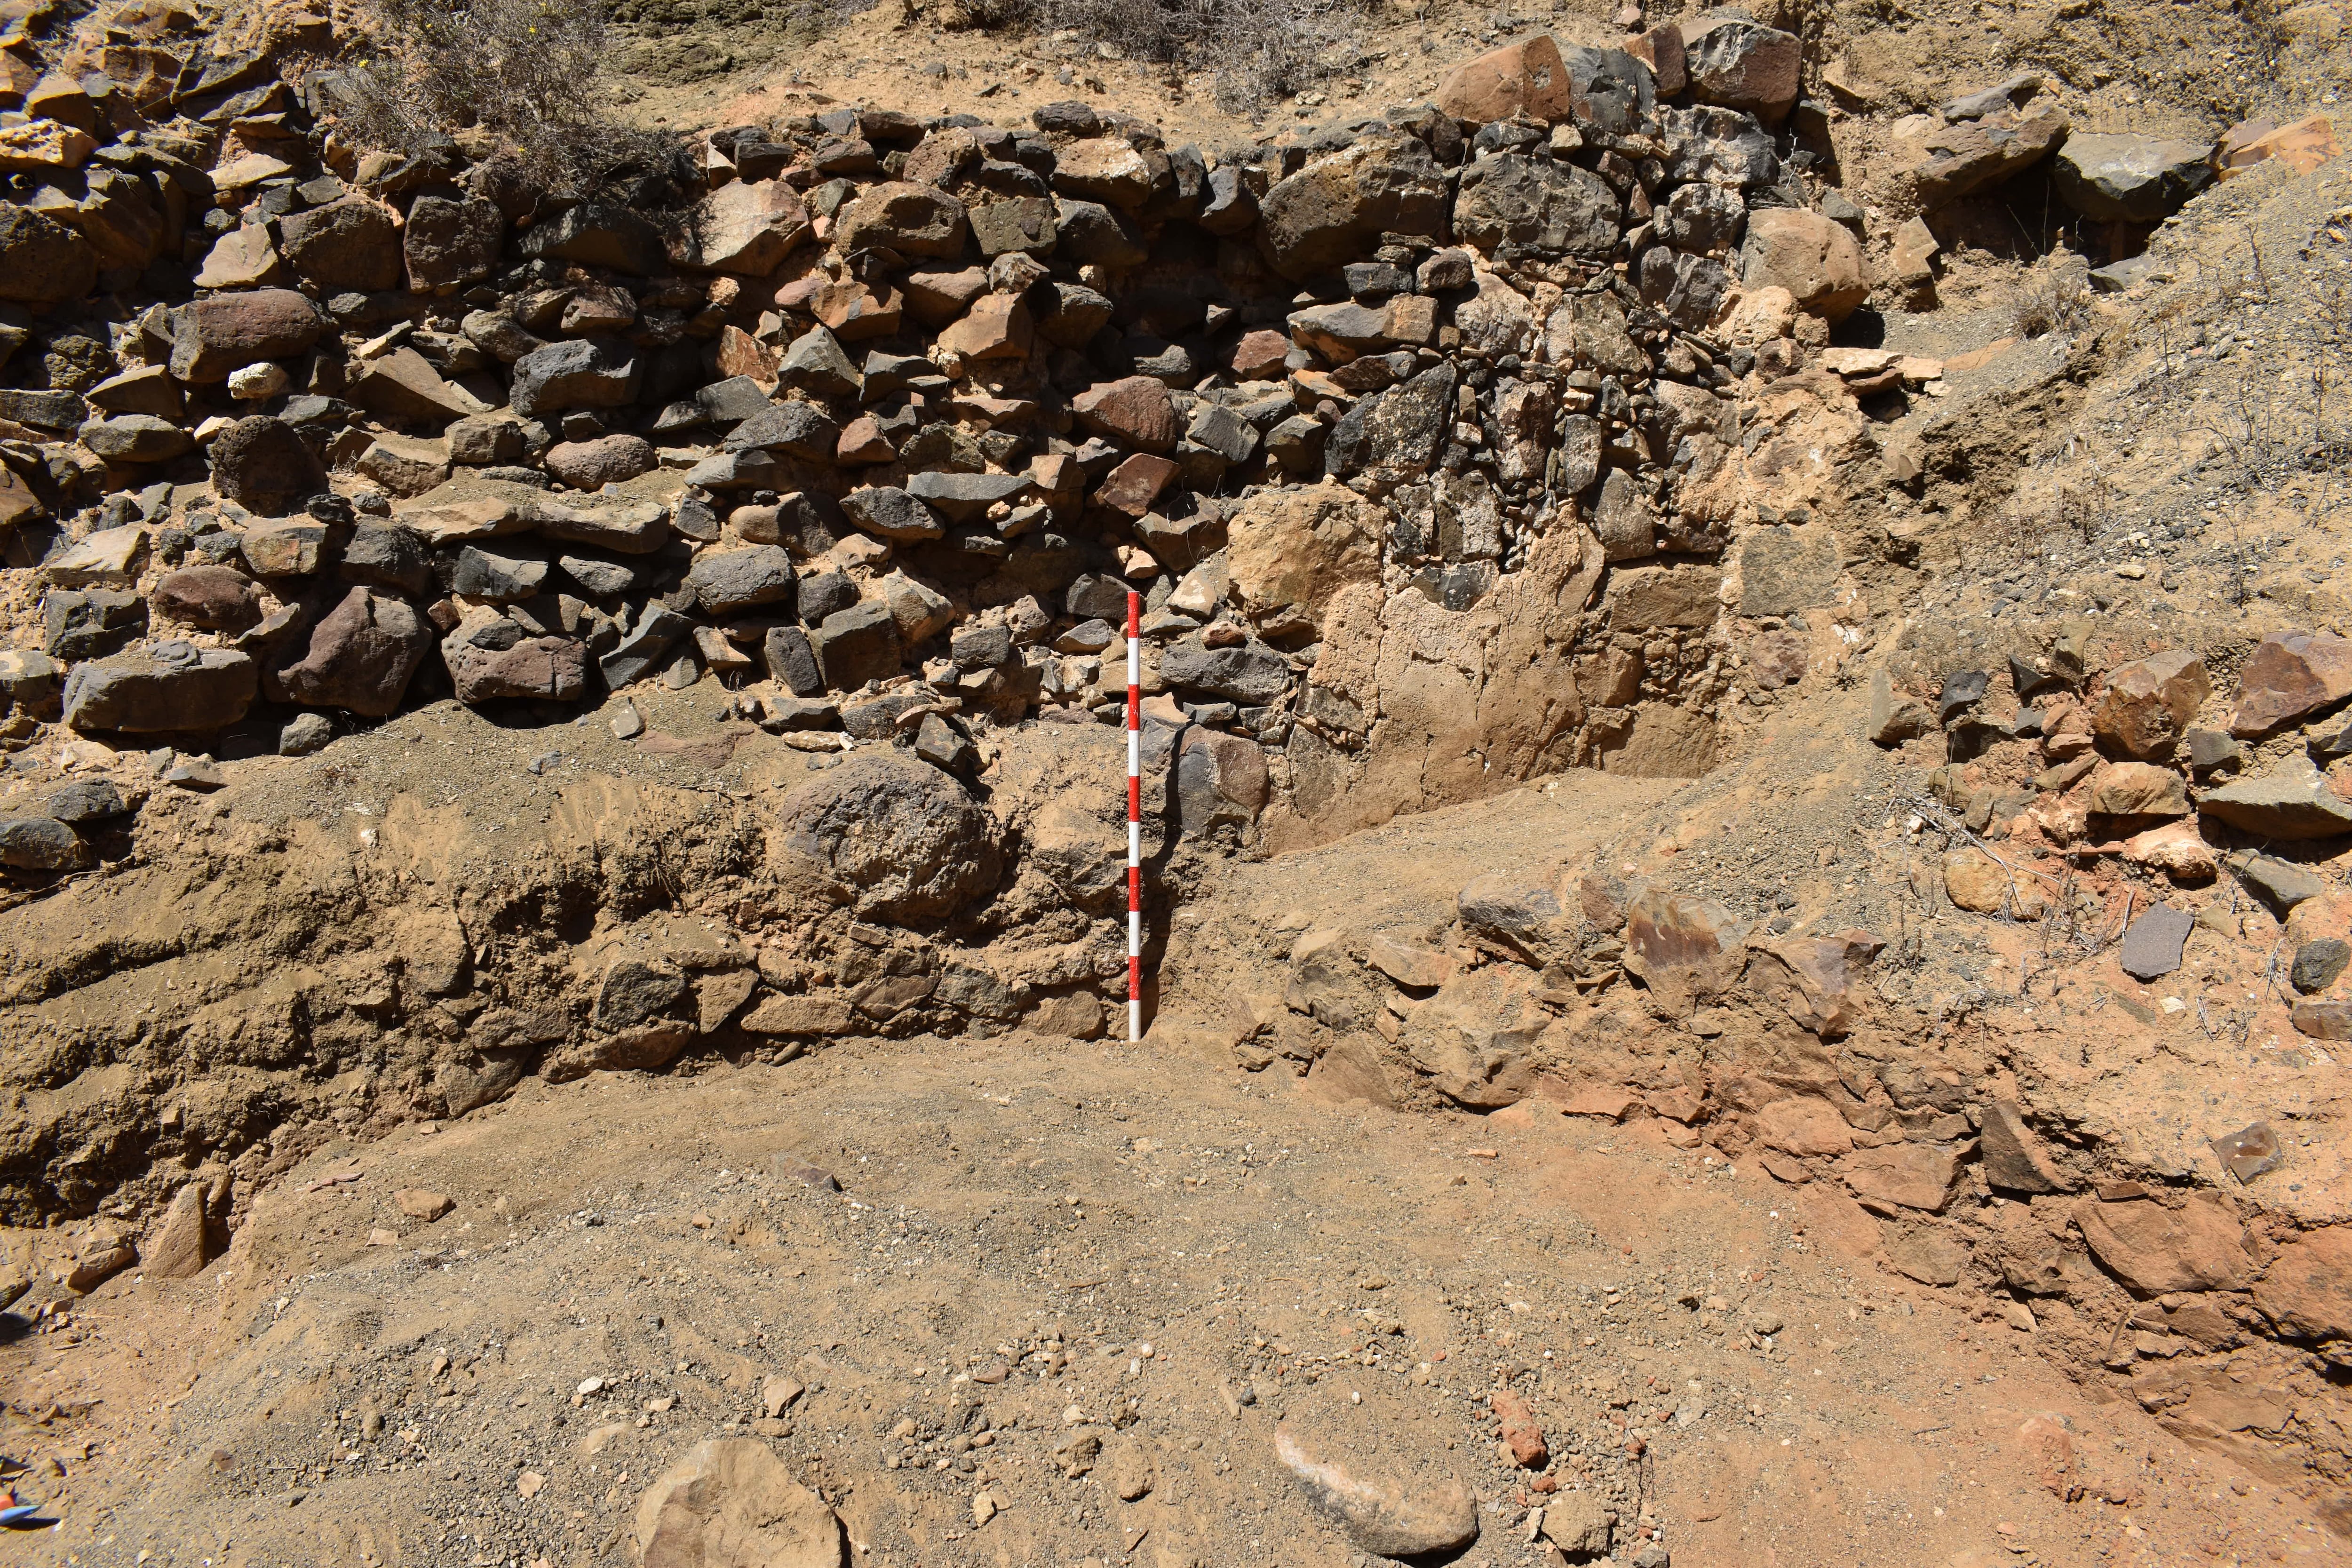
2197, 1246
217, 598
1526, 77
2289, 675
2307, 1290
1260, 355
1803, 1126
1661, 49
1135, 410
1135, 484
1817, 981
862, 441
853, 311
1911, 1175
740, 354
2150, 702
996, 327
1520, 1433
223, 332
358, 657
1686, 950
939, 297
747, 228
607, 460
2015, 1159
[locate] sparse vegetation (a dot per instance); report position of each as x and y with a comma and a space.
1261, 51
2049, 299
525, 75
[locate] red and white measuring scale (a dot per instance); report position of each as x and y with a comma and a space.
1134, 817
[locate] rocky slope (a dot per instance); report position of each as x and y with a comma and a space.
467, 634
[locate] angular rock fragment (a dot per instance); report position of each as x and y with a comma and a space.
2198, 1247
2148, 703
2129, 178
168, 687
728, 1502
2288, 676
357, 657
1390, 1517
2291, 802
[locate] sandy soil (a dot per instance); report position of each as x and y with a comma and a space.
351, 1386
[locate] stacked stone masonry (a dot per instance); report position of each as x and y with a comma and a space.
893, 420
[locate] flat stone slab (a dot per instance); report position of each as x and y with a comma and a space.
2152, 946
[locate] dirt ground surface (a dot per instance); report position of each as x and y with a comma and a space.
1038, 1241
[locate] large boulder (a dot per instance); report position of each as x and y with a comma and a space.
912, 220
403, 386
727, 580
1135, 411
83, 624
245, 258
1537, 206
2293, 801
1816, 259
183, 1240
2130, 179
358, 657
1526, 77
222, 333
135, 438
2307, 1292
164, 690
1610, 92
2199, 1246
1103, 169
1700, 216
747, 228
450, 240
1816, 981
1686, 950
598, 234
1967, 155
606, 461
263, 465
728, 1502
42, 261
899, 840
1220, 778
856, 644
1250, 674
1402, 429
1300, 545
1735, 63
32, 842
1090, 232
1336, 209
29, 680
491, 657
215, 598
350, 243
1718, 146
580, 372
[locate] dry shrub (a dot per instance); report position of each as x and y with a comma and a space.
1261, 51
2049, 301
526, 75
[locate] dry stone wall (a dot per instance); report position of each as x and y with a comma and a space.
1424, 436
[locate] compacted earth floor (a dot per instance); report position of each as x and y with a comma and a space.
1008, 1302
